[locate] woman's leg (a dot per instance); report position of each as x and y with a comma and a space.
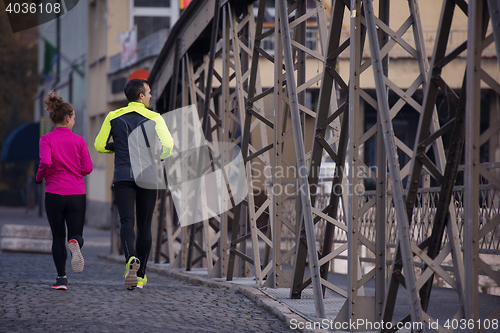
75, 216
54, 207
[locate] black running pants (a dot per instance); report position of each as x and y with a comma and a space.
129, 196
64, 211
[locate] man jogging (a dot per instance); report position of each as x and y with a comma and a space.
118, 125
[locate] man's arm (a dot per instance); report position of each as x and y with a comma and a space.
165, 137
102, 138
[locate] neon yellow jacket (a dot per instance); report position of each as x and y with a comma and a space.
119, 124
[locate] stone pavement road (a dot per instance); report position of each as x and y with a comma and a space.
97, 301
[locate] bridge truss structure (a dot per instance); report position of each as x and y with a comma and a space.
215, 58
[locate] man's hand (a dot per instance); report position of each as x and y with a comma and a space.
158, 155
110, 146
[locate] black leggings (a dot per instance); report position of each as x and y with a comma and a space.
62, 211
129, 196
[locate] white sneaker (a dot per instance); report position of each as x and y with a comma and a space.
77, 261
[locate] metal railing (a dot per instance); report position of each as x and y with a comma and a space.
422, 218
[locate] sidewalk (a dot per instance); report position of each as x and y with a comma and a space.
173, 299
97, 301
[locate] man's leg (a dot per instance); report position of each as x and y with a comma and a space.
145, 205
125, 195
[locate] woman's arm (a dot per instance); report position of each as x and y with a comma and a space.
45, 159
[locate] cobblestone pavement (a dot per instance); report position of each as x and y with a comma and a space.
97, 301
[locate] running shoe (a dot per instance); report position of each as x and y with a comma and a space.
77, 261
61, 284
141, 282
130, 275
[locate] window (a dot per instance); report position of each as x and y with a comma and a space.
146, 25
151, 3
269, 4
312, 37
151, 16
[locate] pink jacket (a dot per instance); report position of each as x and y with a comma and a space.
64, 160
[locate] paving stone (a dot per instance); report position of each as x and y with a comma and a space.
97, 301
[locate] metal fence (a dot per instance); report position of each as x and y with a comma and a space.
421, 222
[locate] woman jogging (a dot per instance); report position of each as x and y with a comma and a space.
64, 160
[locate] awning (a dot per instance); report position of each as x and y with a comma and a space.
22, 144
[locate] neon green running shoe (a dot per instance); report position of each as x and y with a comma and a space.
141, 281
130, 275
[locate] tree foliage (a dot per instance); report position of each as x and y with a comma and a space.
18, 76
18, 85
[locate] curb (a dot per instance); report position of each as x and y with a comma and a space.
280, 310
25, 238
